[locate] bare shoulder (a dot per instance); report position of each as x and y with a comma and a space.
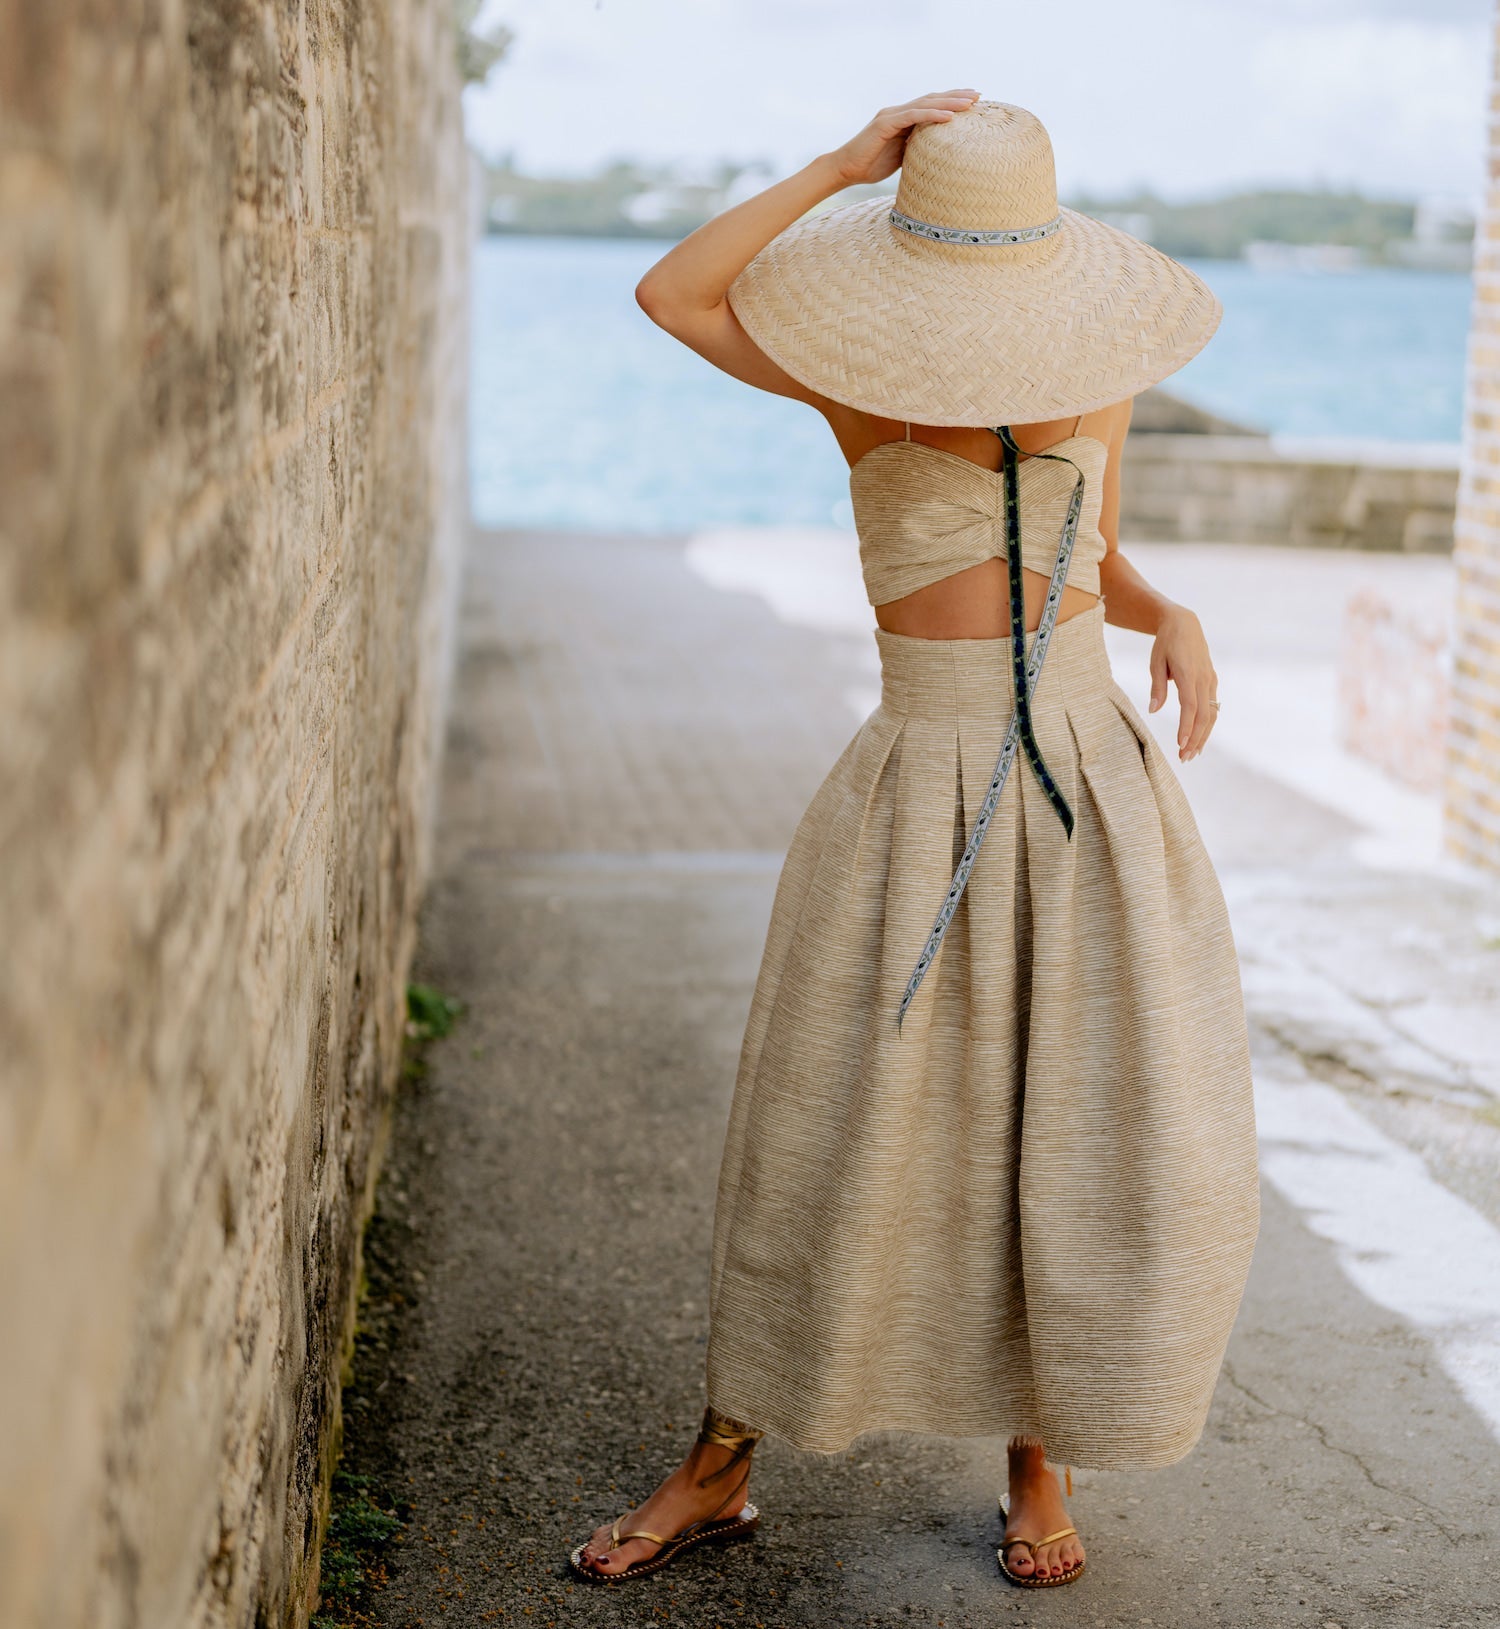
857, 432
1109, 424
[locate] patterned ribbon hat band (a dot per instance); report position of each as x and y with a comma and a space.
965, 234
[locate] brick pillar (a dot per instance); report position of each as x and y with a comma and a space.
1471, 791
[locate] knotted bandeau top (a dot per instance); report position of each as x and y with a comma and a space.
923, 513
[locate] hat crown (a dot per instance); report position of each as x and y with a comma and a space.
989, 169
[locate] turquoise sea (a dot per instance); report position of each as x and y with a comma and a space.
585, 415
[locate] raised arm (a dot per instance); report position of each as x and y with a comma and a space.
685, 291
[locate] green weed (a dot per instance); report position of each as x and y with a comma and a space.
429, 1013
358, 1532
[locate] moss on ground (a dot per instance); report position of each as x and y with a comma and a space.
364, 1521
359, 1531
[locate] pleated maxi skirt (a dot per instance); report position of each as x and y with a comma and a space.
1032, 1209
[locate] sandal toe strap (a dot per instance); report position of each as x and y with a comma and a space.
640, 1533
655, 1538
1035, 1544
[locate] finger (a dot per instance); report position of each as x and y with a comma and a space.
910, 117
954, 102
1206, 719
1187, 719
943, 104
1202, 689
1158, 679
891, 121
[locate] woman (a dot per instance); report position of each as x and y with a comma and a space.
990, 1165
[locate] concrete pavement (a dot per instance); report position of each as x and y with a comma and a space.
630, 749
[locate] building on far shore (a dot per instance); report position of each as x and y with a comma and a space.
1267, 255
1442, 236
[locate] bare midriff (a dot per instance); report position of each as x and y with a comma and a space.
975, 604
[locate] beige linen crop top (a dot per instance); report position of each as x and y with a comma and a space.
923, 513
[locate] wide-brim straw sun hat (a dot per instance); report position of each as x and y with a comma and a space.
976, 299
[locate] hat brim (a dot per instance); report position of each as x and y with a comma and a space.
904, 327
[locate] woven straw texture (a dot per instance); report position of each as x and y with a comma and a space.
923, 512
972, 334
1034, 1207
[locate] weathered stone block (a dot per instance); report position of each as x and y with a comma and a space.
233, 285
1251, 489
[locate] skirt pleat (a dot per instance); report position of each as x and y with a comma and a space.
1033, 1207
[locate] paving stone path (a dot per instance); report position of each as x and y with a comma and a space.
629, 753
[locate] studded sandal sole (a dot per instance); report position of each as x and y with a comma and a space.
715, 1532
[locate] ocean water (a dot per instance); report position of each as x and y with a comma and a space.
586, 415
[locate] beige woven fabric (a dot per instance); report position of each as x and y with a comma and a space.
923, 512
1033, 1208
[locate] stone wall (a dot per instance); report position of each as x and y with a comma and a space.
1254, 489
232, 375
1471, 793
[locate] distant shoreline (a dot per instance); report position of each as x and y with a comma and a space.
623, 233
1273, 228
627, 233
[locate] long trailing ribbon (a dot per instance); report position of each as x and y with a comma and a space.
1026, 671
1025, 682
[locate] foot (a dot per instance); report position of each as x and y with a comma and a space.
1036, 1509
712, 1482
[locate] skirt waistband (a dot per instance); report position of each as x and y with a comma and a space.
972, 677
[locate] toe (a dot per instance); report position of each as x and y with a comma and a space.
1063, 1556
631, 1551
1020, 1560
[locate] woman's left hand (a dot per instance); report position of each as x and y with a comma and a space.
1180, 653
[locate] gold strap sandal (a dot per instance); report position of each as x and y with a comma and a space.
1031, 1581
717, 1429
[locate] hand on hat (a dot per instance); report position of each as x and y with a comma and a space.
877, 150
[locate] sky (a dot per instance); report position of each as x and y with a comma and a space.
1188, 97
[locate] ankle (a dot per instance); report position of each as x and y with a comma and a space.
1027, 1456
708, 1459
721, 1429
710, 1465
